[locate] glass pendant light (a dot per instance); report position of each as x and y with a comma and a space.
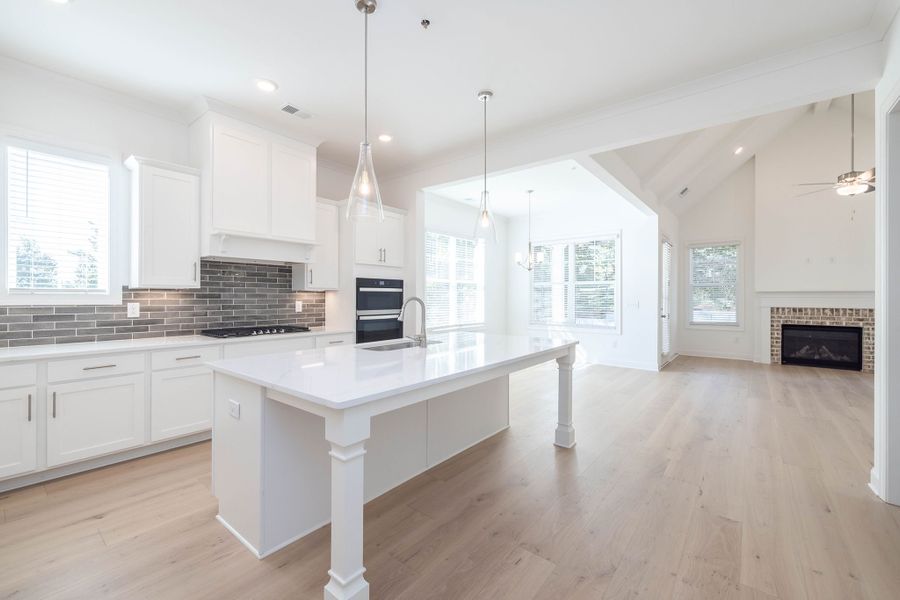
534, 258
365, 197
484, 226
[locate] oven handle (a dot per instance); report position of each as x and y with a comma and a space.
374, 289
384, 312
378, 317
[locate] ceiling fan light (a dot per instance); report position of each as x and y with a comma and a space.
854, 189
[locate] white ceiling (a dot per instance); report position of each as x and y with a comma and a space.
544, 61
563, 185
701, 160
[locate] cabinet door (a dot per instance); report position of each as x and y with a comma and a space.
180, 402
324, 272
18, 442
368, 250
293, 194
240, 182
94, 417
391, 237
169, 229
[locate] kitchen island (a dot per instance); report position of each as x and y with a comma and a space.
292, 431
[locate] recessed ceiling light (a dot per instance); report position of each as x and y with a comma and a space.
266, 85
738, 150
384, 137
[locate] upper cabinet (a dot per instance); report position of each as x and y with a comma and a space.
258, 188
165, 225
323, 272
381, 244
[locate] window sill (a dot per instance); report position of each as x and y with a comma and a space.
60, 299
729, 327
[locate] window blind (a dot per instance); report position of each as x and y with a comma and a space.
576, 284
58, 226
713, 282
454, 280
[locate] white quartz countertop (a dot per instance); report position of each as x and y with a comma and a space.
44, 351
343, 377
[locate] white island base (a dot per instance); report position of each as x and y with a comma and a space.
280, 473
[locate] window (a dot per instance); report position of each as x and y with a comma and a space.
57, 234
454, 280
576, 283
713, 282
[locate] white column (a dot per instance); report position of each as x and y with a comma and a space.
565, 433
347, 435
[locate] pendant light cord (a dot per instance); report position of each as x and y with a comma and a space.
366, 77
852, 132
485, 101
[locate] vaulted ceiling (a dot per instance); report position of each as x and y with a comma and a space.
545, 61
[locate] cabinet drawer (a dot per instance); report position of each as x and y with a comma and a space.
94, 366
18, 375
188, 357
269, 346
336, 339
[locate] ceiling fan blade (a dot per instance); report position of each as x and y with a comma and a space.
868, 175
812, 192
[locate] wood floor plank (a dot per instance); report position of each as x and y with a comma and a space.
713, 479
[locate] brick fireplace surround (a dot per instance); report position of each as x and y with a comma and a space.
847, 317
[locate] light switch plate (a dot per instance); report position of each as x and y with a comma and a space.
234, 409
298, 306
134, 310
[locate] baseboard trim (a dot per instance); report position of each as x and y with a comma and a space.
26, 479
723, 355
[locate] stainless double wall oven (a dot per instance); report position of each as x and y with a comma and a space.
378, 304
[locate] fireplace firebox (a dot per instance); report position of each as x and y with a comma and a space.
822, 346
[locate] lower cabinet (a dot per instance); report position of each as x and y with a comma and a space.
94, 417
181, 402
18, 431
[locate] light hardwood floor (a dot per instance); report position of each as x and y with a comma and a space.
712, 479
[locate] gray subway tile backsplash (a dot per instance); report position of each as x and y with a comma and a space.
231, 294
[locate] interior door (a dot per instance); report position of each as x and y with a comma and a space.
665, 320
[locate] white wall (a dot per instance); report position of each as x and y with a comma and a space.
819, 242
457, 219
725, 215
885, 477
636, 345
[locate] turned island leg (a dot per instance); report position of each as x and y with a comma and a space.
565, 432
347, 437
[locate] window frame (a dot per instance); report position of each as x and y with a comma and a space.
689, 323
475, 326
113, 294
570, 324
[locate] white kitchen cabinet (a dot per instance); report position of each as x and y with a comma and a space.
335, 339
92, 417
268, 346
18, 431
323, 272
381, 244
293, 193
180, 402
165, 225
240, 181
257, 192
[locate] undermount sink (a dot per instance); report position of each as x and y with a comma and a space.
396, 346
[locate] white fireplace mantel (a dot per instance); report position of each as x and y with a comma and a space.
767, 300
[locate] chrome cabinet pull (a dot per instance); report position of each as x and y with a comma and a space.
98, 367
54, 405
29, 407
336, 342
188, 357
195, 270
310, 276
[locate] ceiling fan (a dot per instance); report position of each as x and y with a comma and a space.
853, 182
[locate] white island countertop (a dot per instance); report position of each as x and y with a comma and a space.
344, 377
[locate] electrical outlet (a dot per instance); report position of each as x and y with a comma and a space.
134, 310
298, 306
234, 409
